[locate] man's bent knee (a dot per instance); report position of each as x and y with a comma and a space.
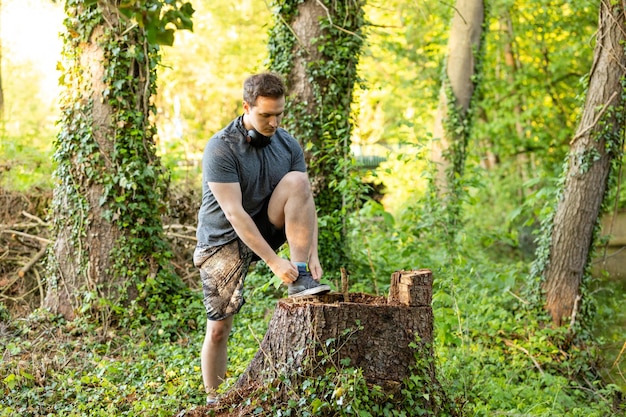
295, 180
218, 331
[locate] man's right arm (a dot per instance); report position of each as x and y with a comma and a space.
228, 196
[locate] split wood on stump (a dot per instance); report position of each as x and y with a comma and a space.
376, 334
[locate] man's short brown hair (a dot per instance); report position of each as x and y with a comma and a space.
266, 84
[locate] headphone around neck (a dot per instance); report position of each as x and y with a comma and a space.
257, 139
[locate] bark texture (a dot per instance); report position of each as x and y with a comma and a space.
463, 44
99, 236
306, 337
316, 46
307, 29
81, 261
588, 170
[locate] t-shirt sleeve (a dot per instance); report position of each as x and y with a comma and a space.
219, 163
297, 160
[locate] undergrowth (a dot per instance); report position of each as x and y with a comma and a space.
493, 354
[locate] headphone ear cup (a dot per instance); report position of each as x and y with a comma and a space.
257, 139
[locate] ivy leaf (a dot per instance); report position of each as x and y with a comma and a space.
164, 37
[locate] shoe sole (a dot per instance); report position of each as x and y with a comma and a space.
319, 290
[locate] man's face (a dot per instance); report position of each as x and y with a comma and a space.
265, 116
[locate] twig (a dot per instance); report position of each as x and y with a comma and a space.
35, 218
345, 284
511, 344
42, 295
15, 232
23, 270
596, 120
20, 225
618, 357
518, 297
330, 19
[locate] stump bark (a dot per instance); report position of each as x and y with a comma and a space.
375, 334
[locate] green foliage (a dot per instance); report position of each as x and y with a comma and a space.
528, 111
609, 133
400, 69
122, 374
200, 81
117, 160
493, 351
494, 356
156, 16
27, 128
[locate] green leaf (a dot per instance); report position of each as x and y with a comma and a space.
164, 37
11, 381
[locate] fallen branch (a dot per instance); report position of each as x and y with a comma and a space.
35, 218
23, 270
179, 226
16, 233
513, 345
180, 236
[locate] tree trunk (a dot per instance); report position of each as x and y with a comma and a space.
598, 141
451, 128
105, 207
316, 45
306, 337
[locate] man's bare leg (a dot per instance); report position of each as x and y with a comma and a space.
214, 355
292, 206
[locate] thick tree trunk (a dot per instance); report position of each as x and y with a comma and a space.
306, 27
375, 334
597, 141
316, 45
458, 85
98, 237
105, 162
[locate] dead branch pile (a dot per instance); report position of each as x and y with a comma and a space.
25, 236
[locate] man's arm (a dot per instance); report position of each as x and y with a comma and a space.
228, 196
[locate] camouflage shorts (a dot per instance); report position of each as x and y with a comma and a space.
223, 271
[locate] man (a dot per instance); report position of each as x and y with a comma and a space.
256, 195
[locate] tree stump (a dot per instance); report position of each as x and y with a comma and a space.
375, 334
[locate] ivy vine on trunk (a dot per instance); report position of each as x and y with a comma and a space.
109, 246
563, 258
316, 45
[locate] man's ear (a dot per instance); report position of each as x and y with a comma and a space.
246, 107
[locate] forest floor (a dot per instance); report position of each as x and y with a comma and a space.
25, 233
68, 360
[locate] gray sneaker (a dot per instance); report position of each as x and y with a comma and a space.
306, 285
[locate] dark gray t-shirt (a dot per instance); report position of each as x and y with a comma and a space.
229, 158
